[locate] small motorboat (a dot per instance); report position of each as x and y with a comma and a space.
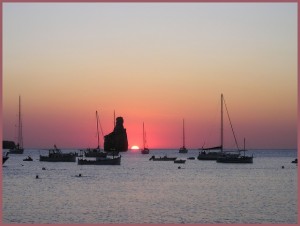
179, 161
56, 155
295, 161
101, 161
165, 158
28, 159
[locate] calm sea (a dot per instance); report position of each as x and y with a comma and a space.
143, 191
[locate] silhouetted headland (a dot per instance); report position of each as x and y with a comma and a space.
116, 141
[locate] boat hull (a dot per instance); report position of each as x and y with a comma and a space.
145, 151
64, 158
101, 161
183, 150
162, 159
153, 158
214, 155
27, 160
240, 159
179, 161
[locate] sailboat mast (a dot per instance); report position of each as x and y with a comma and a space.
97, 128
20, 135
244, 146
143, 136
221, 122
183, 135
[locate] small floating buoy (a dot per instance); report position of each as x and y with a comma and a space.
282, 167
37, 177
179, 167
43, 168
79, 175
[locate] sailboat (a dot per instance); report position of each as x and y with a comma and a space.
18, 149
221, 156
145, 150
95, 152
209, 153
183, 148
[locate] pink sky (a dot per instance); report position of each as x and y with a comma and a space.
151, 63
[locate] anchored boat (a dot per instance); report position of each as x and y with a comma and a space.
101, 161
56, 155
183, 148
95, 152
165, 158
145, 150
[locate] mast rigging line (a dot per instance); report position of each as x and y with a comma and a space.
101, 127
231, 125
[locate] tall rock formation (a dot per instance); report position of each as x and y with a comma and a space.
116, 140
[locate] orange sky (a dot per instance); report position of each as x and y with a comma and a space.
152, 63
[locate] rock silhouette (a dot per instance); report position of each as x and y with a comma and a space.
116, 140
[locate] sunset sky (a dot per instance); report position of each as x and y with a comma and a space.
155, 63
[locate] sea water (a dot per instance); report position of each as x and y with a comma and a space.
143, 191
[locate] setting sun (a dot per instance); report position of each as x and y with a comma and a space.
135, 147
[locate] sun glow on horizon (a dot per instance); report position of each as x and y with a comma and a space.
135, 147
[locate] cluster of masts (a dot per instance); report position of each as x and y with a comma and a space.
18, 149
219, 156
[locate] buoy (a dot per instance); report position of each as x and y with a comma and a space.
79, 175
43, 168
179, 167
37, 177
282, 167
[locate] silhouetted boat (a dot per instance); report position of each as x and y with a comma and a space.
55, 155
112, 153
101, 161
4, 158
295, 161
28, 159
95, 152
182, 161
165, 158
183, 148
236, 158
191, 158
209, 153
18, 149
145, 150
229, 157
